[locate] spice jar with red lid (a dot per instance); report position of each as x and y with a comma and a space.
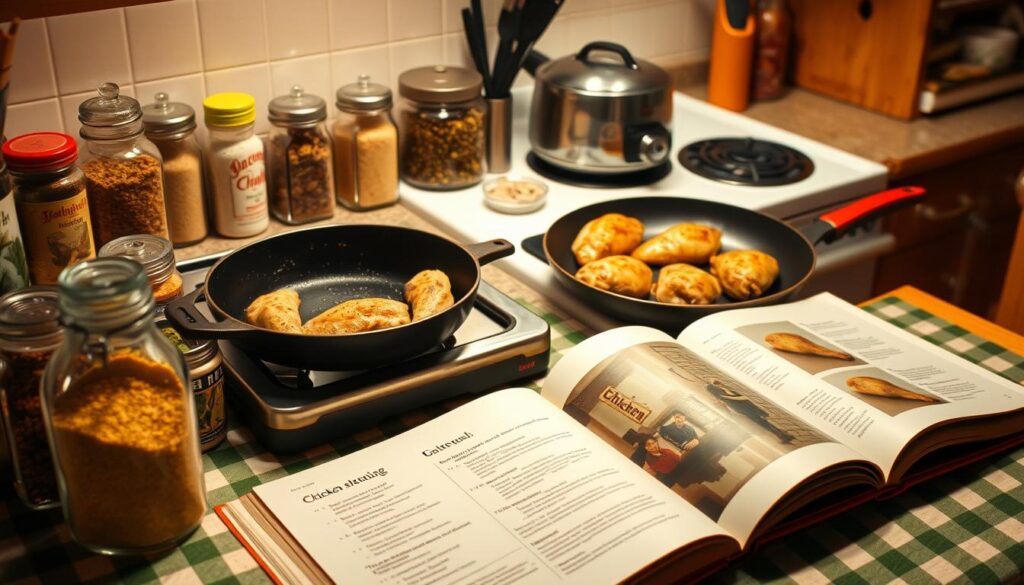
48, 184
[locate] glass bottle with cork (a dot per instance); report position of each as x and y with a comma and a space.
234, 159
299, 164
171, 126
47, 184
120, 417
365, 146
123, 169
156, 255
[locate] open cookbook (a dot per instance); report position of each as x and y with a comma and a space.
643, 458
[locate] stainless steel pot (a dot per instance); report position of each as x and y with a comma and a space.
596, 113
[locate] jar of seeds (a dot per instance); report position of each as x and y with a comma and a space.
442, 127
156, 255
299, 161
123, 174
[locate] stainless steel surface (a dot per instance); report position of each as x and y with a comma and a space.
297, 108
499, 135
440, 84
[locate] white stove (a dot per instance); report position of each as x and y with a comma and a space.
838, 177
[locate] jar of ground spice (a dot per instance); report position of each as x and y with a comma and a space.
48, 185
156, 255
120, 416
29, 334
442, 127
171, 126
365, 146
299, 164
235, 163
122, 168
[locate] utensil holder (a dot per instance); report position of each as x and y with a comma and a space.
499, 134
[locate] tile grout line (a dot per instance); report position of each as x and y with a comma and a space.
199, 43
53, 69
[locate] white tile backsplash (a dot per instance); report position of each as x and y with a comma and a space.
191, 48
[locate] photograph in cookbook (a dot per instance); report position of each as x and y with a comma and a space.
798, 346
882, 390
698, 430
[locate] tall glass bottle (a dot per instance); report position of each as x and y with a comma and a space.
119, 416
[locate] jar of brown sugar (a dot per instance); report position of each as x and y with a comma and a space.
120, 416
122, 168
365, 146
442, 127
299, 165
171, 126
29, 334
156, 255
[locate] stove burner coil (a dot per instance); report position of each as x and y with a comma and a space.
746, 161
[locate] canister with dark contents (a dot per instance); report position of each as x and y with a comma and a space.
156, 255
29, 334
206, 372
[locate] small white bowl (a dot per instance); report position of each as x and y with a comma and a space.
515, 195
992, 46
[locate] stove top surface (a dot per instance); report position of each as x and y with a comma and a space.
746, 161
594, 180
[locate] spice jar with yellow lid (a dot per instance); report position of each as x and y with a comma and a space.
120, 417
234, 160
156, 255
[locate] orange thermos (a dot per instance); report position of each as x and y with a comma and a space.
732, 55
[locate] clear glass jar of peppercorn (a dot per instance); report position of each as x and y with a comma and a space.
442, 127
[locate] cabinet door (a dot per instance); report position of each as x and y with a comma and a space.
934, 266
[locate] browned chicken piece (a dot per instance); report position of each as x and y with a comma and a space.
682, 284
745, 274
618, 274
428, 293
885, 389
277, 310
358, 315
689, 243
611, 234
798, 344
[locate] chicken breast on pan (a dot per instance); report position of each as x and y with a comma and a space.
689, 243
428, 293
682, 284
358, 315
618, 274
745, 274
611, 234
277, 310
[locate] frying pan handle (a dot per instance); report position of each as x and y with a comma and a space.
187, 319
486, 252
835, 223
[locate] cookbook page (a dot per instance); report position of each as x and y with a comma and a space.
712, 439
851, 375
505, 489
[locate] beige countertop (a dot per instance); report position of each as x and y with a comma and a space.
905, 147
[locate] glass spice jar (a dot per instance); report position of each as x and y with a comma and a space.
13, 263
299, 164
442, 127
123, 173
29, 334
206, 373
48, 184
234, 161
365, 146
156, 255
171, 126
120, 417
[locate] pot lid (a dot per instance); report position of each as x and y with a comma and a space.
362, 96
298, 107
603, 68
164, 117
440, 84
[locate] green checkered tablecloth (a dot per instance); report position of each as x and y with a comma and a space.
967, 526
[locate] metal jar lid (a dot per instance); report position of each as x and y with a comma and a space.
363, 96
166, 119
606, 69
298, 108
109, 111
197, 352
155, 254
30, 313
440, 84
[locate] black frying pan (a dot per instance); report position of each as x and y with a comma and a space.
741, 229
328, 265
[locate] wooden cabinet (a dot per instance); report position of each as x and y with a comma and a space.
956, 243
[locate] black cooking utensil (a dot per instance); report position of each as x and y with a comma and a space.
477, 46
481, 34
326, 266
509, 24
537, 15
741, 229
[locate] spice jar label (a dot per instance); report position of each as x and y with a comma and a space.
248, 188
60, 234
209, 393
13, 265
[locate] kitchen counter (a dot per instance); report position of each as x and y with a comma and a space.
905, 147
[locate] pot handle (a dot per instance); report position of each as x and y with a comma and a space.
533, 60
621, 51
187, 319
486, 252
837, 222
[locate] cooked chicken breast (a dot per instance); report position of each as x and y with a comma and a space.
745, 274
611, 234
885, 389
358, 315
277, 310
618, 274
798, 344
689, 243
428, 292
682, 284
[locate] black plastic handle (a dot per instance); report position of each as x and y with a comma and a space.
533, 60
189, 320
616, 48
486, 252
